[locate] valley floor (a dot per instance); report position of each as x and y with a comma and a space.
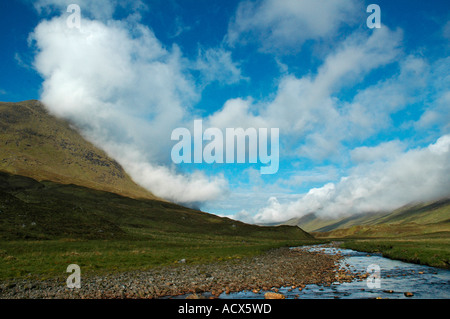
266, 272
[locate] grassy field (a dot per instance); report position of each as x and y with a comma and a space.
46, 259
45, 226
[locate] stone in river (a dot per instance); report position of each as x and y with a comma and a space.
273, 295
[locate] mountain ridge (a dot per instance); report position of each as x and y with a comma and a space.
38, 145
414, 218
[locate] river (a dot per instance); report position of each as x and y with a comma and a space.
387, 279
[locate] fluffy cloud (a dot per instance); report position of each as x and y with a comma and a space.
321, 174
98, 9
237, 113
306, 110
437, 114
166, 182
127, 93
383, 151
216, 64
416, 175
285, 24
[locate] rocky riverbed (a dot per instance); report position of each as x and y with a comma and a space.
268, 272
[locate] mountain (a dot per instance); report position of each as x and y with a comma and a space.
38, 145
38, 210
56, 185
414, 219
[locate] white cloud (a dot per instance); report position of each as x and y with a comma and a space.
319, 174
216, 64
306, 110
167, 183
20, 62
243, 216
180, 28
437, 113
236, 113
96, 9
285, 24
127, 93
357, 56
371, 109
416, 175
383, 151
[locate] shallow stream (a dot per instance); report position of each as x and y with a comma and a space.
387, 279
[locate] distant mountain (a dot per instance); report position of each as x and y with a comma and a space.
413, 219
35, 144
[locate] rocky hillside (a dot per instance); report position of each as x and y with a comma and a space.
38, 145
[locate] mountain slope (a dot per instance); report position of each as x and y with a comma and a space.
413, 219
36, 144
46, 210
54, 184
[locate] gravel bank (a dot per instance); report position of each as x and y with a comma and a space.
277, 268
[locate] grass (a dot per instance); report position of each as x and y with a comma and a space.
45, 226
434, 251
49, 259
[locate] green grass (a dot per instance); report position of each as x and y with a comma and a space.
432, 251
46, 226
49, 259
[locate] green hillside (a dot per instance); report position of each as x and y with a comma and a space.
47, 210
413, 219
45, 226
36, 144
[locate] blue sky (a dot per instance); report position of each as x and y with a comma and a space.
363, 114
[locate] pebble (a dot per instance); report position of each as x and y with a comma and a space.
273, 295
277, 268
